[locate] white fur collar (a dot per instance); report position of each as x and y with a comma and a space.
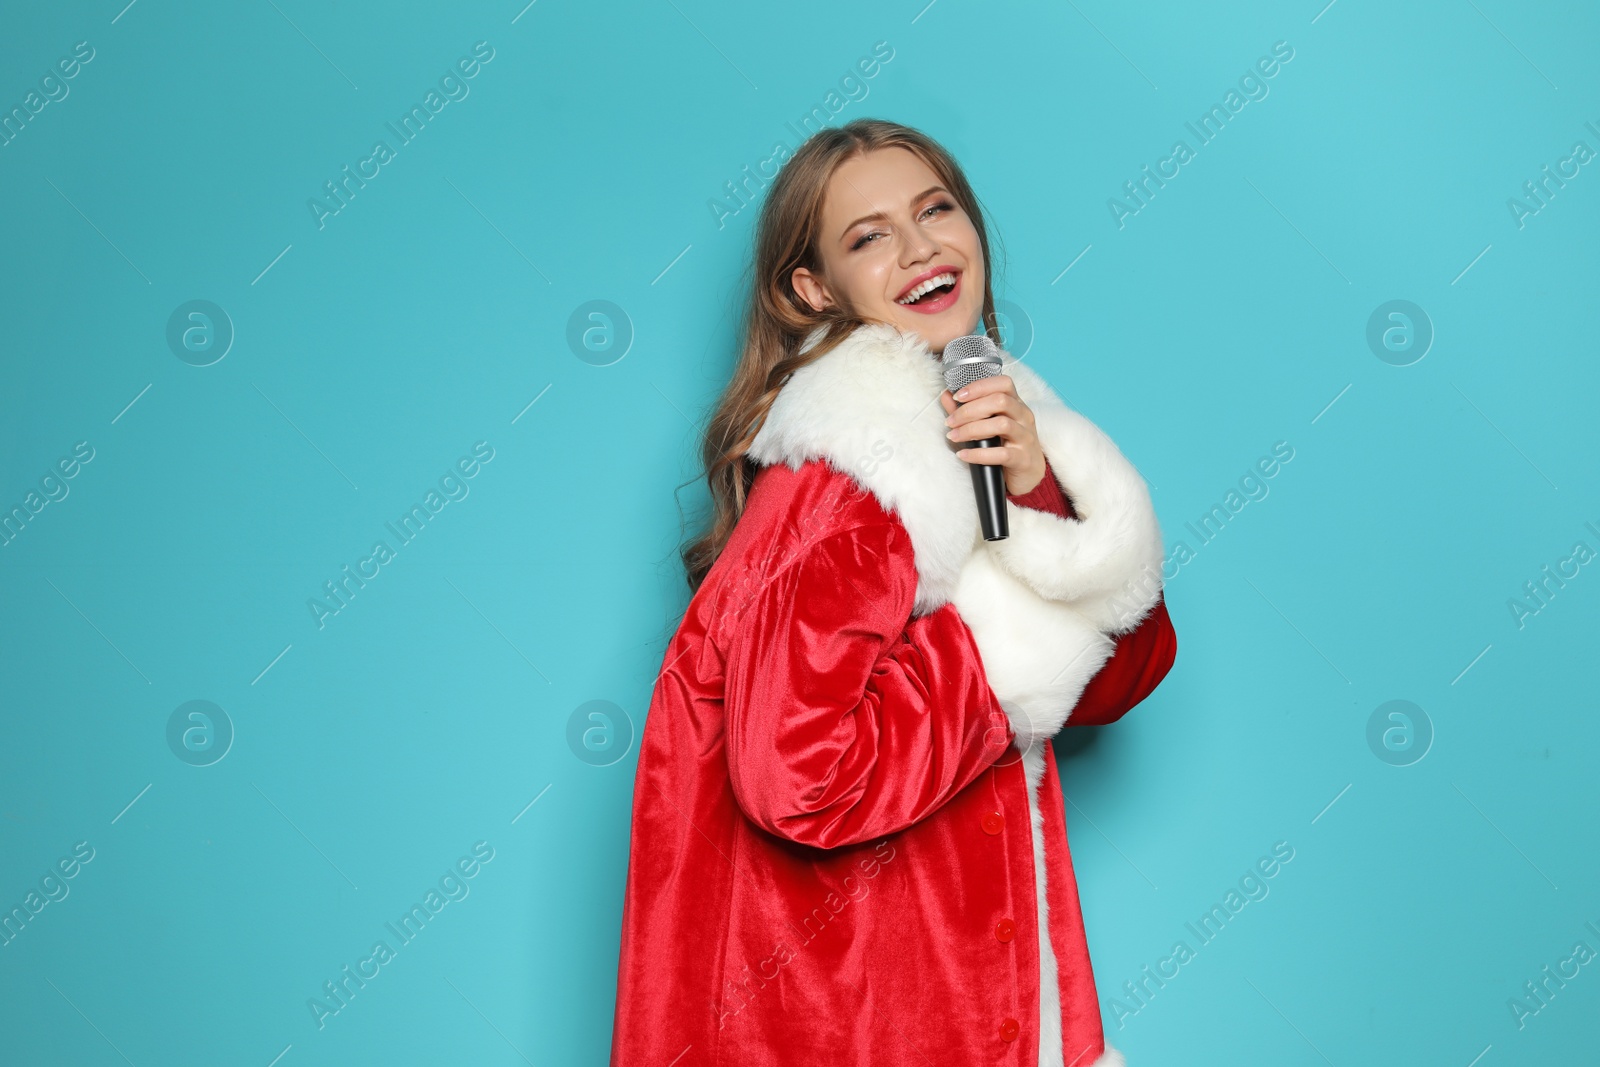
1041, 604
870, 407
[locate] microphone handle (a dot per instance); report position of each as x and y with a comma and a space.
989, 483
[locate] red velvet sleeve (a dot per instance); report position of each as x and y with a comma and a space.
1143, 655
846, 718
1142, 658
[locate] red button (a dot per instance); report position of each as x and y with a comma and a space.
1006, 930
1008, 1030
993, 823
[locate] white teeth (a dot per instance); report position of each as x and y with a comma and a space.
947, 278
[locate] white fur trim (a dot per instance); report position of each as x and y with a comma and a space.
1041, 604
1107, 562
870, 407
1038, 654
1050, 1051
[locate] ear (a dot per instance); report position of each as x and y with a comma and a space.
811, 288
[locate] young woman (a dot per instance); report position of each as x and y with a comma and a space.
848, 843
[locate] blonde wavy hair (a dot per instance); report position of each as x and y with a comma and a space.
776, 319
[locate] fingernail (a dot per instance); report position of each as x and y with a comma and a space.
962, 395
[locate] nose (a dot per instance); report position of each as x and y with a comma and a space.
920, 245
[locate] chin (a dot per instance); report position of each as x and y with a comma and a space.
939, 334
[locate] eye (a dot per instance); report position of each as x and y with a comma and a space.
942, 205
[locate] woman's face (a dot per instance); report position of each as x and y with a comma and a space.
888, 229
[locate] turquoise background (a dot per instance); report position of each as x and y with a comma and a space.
436, 709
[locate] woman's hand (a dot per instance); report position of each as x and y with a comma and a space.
992, 408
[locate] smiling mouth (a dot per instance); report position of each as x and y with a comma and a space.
933, 295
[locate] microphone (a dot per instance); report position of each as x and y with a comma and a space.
966, 359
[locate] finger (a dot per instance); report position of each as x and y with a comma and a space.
948, 402
999, 454
993, 403
985, 386
998, 426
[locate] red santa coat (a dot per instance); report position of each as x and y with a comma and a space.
848, 845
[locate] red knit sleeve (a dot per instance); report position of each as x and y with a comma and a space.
1046, 496
1143, 655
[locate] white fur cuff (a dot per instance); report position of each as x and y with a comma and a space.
1106, 563
1038, 654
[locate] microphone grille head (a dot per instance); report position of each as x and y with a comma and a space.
968, 358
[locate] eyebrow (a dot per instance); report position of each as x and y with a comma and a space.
877, 215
